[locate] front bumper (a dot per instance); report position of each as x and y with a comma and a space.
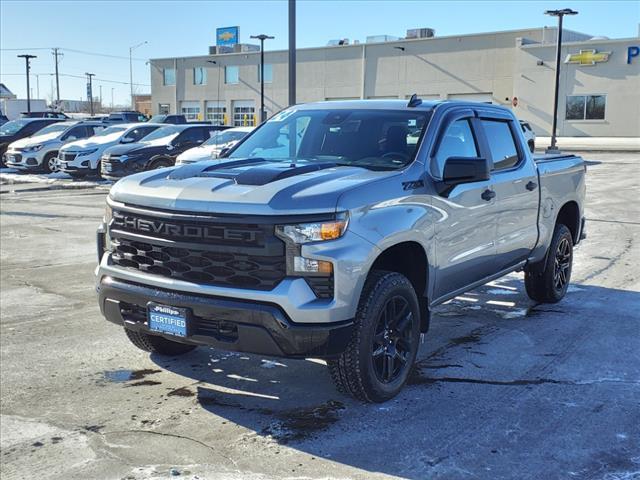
228, 324
79, 164
22, 160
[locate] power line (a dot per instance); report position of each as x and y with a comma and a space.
81, 76
82, 52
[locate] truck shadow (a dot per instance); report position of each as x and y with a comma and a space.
489, 353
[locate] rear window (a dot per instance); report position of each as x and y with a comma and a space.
501, 144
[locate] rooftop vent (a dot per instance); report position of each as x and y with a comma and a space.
338, 42
420, 33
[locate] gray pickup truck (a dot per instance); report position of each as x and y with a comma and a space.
332, 230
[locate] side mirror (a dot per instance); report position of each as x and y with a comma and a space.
459, 170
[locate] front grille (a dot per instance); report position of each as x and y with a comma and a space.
322, 286
201, 251
15, 157
68, 157
220, 329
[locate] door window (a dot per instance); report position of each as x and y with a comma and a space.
458, 141
501, 144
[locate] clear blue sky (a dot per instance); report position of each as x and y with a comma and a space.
183, 28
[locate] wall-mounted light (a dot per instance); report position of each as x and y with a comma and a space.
540, 63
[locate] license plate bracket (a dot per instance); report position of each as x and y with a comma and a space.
167, 319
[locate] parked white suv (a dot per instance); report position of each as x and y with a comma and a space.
211, 148
82, 157
39, 152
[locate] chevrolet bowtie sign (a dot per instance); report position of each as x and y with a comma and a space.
587, 57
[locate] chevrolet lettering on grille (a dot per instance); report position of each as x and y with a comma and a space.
159, 227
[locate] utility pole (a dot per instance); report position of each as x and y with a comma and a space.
100, 97
214, 62
56, 54
112, 89
292, 52
262, 37
27, 60
560, 14
90, 90
131, 49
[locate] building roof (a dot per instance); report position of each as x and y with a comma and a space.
5, 92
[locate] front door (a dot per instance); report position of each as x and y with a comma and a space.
466, 229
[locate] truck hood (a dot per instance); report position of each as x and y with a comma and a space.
126, 148
248, 187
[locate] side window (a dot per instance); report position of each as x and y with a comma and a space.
76, 132
458, 141
501, 144
139, 133
191, 136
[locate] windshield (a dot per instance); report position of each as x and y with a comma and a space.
12, 127
56, 127
168, 131
374, 139
220, 138
110, 131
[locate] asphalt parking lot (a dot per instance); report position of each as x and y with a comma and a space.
503, 388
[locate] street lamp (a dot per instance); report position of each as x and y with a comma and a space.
214, 62
560, 14
262, 37
27, 60
131, 49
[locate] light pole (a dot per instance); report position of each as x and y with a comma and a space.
131, 49
292, 52
214, 62
27, 60
112, 89
560, 14
262, 37
90, 91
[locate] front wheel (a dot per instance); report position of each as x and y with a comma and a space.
50, 162
548, 282
384, 343
155, 344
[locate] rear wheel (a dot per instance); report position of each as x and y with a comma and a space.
155, 344
548, 282
375, 365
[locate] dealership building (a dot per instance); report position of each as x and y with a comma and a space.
599, 91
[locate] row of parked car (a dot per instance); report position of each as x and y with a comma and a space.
96, 147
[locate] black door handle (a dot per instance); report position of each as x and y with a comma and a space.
531, 186
488, 195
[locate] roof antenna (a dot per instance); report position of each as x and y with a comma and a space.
414, 101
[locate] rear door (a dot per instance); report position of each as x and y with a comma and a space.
465, 231
515, 182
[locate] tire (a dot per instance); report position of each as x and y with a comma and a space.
159, 345
48, 163
375, 365
160, 163
548, 282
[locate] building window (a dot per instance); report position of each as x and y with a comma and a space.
268, 73
169, 76
232, 74
244, 116
216, 114
164, 108
199, 76
585, 107
191, 113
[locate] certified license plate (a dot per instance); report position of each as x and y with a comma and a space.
166, 319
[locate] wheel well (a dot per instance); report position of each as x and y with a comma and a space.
409, 259
569, 215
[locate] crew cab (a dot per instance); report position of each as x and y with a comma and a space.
40, 151
174, 119
82, 157
157, 150
212, 148
333, 230
21, 128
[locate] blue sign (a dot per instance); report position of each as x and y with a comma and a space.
227, 36
632, 52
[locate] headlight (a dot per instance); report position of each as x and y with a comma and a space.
108, 215
314, 232
123, 158
87, 152
35, 148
